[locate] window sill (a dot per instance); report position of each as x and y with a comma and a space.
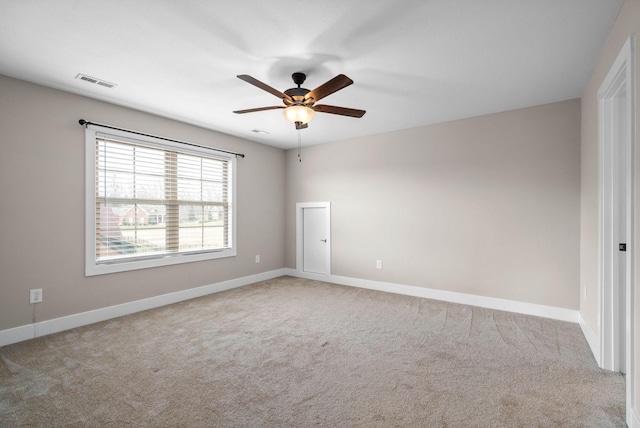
94, 269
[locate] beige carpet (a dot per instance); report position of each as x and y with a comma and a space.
299, 353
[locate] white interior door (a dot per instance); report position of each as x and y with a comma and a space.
314, 238
616, 193
616, 214
623, 202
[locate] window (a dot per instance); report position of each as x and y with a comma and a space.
152, 202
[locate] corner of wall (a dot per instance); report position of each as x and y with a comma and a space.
591, 337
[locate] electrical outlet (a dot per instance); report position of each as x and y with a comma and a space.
35, 295
378, 264
257, 258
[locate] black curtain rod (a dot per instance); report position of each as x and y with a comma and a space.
86, 122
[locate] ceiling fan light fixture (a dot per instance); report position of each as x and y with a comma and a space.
302, 114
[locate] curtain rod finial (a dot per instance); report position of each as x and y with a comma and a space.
82, 122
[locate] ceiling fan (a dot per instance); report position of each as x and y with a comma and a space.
299, 103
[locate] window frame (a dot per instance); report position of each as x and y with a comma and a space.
92, 266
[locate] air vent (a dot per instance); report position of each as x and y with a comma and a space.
95, 81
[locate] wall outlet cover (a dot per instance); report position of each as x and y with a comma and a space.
35, 295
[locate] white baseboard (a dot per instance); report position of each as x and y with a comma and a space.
56, 325
633, 421
17, 334
551, 312
592, 340
43, 328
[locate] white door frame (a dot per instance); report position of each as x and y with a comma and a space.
300, 206
616, 122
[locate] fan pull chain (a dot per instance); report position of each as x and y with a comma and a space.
299, 145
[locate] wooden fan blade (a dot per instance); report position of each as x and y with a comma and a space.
343, 111
251, 110
264, 86
328, 88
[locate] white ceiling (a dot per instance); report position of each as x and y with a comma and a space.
413, 62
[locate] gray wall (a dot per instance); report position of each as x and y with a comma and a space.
42, 207
488, 206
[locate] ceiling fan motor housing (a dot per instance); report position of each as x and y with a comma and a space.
297, 94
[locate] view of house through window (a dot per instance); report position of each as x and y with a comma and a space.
154, 202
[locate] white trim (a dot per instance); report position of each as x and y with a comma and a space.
617, 86
300, 206
634, 420
592, 339
56, 325
551, 312
43, 328
616, 123
17, 334
94, 268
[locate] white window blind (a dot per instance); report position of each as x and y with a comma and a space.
156, 203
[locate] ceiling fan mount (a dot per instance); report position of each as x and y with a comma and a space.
299, 103
298, 78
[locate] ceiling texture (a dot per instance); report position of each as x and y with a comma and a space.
414, 63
